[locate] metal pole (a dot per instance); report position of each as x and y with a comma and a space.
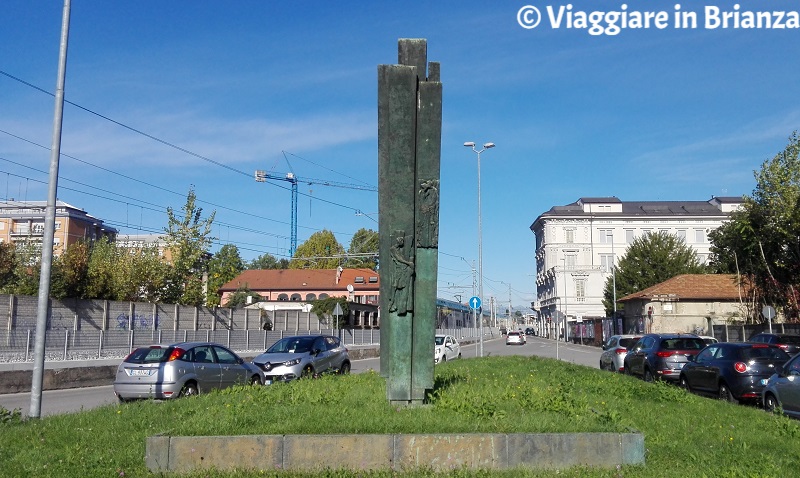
566, 321
614, 285
49, 224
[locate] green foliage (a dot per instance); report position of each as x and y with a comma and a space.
762, 239
267, 261
28, 253
8, 266
363, 241
649, 260
223, 267
188, 241
239, 297
10, 416
69, 275
316, 252
323, 308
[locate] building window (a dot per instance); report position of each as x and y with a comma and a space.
569, 236
580, 289
323, 296
283, 297
570, 260
606, 236
682, 234
629, 236
310, 297
606, 262
700, 236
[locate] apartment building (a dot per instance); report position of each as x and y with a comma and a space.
24, 220
577, 244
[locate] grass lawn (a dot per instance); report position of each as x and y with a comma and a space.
685, 435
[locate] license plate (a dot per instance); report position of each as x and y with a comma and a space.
140, 372
267, 382
764, 381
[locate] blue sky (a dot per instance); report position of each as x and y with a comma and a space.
648, 114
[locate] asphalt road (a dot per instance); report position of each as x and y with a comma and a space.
77, 399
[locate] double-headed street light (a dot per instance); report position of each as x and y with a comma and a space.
470, 144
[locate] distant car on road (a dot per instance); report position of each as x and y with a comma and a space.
446, 348
530, 331
515, 338
788, 342
782, 391
709, 340
614, 351
303, 356
732, 371
661, 356
179, 370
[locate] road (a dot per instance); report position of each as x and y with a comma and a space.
77, 399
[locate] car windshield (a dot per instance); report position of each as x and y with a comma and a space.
628, 343
439, 340
684, 343
150, 355
292, 345
770, 353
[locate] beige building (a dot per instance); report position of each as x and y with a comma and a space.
24, 220
687, 303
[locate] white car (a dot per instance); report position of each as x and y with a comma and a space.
515, 338
447, 348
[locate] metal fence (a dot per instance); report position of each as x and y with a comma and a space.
66, 344
741, 333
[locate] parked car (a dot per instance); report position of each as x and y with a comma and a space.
302, 356
446, 348
181, 369
782, 390
709, 340
788, 342
732, 371
661, 356
614, 351
515, 337
503, 330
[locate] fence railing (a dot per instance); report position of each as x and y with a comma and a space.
18, 345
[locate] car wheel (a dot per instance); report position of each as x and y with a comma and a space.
725, 393
601, 365
344, 369
625, 369
684, 384
255, 380
189, 390
648, 375
771, 403
459, 355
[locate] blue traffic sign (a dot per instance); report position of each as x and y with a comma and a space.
475, 302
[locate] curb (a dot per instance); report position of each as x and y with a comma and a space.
439, 452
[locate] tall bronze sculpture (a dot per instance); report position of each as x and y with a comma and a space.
409, 150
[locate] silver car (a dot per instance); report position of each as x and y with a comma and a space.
515, 338
182, 369
303, 356
782, 390
614, 351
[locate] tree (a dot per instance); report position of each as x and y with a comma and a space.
70, 278
323, 309
364, 241
188, 241
223, 267
26, 275
762, 239
8, 265
317, 252
267, 261
239, 297
650, 259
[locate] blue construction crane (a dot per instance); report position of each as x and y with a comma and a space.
262, 176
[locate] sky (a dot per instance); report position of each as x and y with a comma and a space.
164, 97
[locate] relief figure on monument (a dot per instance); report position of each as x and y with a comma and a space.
428, 225
401, 300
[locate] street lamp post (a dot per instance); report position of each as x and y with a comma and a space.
566, 321
470, 144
